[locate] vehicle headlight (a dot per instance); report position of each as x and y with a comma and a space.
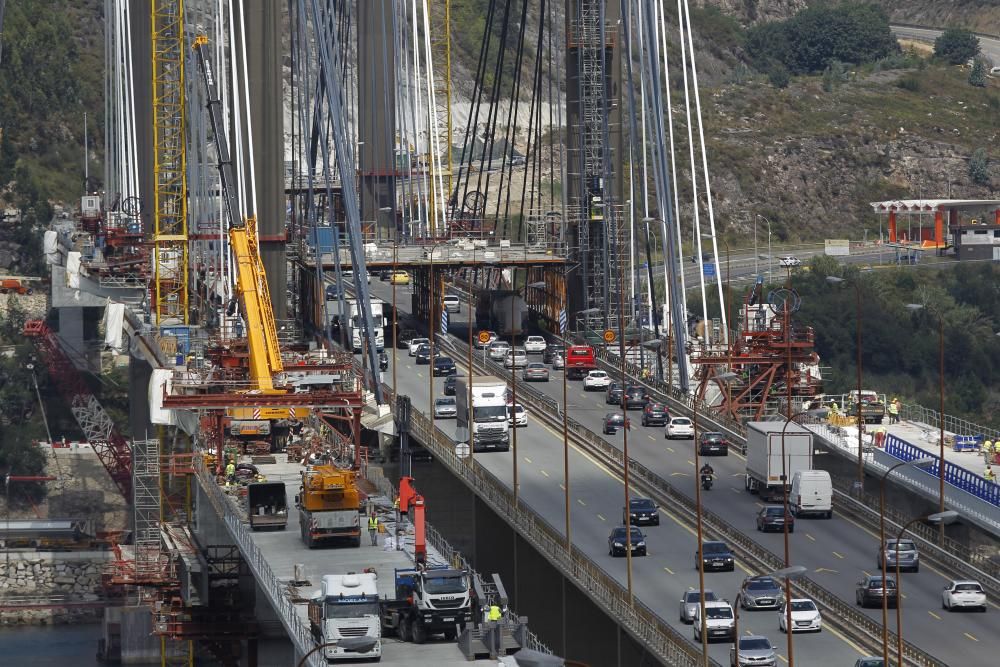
619, 544
641, 544
729, 559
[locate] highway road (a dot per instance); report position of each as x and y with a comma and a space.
989, 46
837, 552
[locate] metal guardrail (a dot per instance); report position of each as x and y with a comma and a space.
275, 591
955, 475
932, 418
847, 619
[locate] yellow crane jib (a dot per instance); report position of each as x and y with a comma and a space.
251, 281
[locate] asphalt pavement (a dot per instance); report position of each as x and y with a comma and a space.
837, 552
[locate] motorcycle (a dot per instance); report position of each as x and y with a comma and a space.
706, 481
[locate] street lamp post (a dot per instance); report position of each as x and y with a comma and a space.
859, 484
940, 318
699, 536
770, 261
430, 335
784, 503
792, 572
881, 546
940, 518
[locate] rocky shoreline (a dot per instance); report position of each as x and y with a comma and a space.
33, 584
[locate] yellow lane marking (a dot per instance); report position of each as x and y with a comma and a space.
840, 557
839, 635
679, 474
601, 517
783, 658
970, 636
562, 486
691, 463
670, 449
527, 460
544, 473
810, 537
735, 490
669, 571
581, 502
825, 569
934, 615
419, 374
651, 438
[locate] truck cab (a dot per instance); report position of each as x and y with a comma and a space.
346, 605
429, 601
486, 417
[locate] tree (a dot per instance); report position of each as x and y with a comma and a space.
979, 167
977, 77
956, 46
778, 76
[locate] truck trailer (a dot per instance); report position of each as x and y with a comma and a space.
486, 421
766, 473
267, 505
509, 313
346, 607
355, 326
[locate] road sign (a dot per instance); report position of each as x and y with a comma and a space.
609, 336
708, 268
484, 337
562, 321
462, 450
444, 321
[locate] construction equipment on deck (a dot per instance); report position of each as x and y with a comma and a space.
329, 504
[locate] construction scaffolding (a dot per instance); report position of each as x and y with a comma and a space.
146, 510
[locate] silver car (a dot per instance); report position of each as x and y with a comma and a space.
690, 603
905, 551
761, 593
753, 650
445, 408
516, 358
499, 349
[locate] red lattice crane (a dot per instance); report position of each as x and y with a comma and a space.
111, 446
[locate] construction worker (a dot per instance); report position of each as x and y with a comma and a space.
988, 451
495, 613
834, 409
373, 529
893, 409
231, 471
990, 475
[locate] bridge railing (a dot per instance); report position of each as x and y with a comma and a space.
274, 589
955, 475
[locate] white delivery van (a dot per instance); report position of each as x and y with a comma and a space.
812, 493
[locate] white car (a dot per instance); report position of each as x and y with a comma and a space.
451, 303
965, 593
678, 427
534, 345
805, 616
517, 357
415, 343
499, 350
517, 416
558, 361
789, 260
596, 381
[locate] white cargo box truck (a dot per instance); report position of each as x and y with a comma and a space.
765, 473
486, 421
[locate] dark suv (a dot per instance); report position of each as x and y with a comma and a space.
869, 591
716, 556
655, 414
614, 395
635, 398
444, 366
774, 517
552, 351
449, 385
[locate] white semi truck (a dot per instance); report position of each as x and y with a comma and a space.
347, 606
486, 421
766, 473
354, 324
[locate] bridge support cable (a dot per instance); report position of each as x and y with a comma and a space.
655, 112
324, 40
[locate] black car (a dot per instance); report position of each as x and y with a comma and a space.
655, 414
423, 355
712, 443
444, 366
552, 351
635, 398
869, 591
616, 541
404, 338
774, 517
449, 385
383, 360
614, 395
716, 556
641, 510
612, 422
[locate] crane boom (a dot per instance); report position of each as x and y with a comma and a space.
251, 280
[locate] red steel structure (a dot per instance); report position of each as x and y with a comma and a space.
110, 445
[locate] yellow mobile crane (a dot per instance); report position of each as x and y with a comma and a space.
251, 282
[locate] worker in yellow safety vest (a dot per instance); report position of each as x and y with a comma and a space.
990, 475
893, 409
988, 448
494, 613
230, 471
373, 529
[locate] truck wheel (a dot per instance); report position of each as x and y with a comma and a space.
450, 635
419, 633
405, 630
